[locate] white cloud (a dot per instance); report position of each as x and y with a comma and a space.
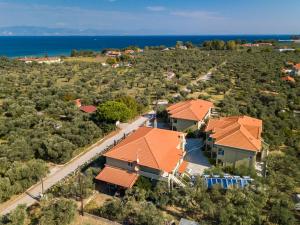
168, 21
198, 14
156, 8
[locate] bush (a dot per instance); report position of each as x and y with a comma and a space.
57, 212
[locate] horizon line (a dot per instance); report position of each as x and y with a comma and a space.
128, 35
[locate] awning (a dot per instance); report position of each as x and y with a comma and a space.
117, 176
182, 167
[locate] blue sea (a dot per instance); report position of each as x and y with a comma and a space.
15, 46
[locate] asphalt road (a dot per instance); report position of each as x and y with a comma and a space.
28, 198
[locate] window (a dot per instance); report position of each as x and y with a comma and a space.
220, 152
130, 164
174, 120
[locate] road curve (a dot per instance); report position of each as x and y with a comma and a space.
27, 197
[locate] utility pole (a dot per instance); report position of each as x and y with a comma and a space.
42, 182
80, 193
265, 169
155, 115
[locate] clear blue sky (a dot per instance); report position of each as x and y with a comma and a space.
157, 16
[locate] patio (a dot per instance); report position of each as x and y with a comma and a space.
197, 162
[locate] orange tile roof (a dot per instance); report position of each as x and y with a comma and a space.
154, 148
129, 51
190, 110
117, 176
182, 167
297, 66
241, 132
288, 78
77, 102
88, 108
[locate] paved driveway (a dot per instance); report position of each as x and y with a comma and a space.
161, 124
28, 198
197, 161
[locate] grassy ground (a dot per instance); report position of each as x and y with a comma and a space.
210, 93
86, 220
98, 200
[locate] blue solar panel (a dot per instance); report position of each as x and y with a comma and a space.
226, 182
240, 183
214, 180
234, 181
209, 183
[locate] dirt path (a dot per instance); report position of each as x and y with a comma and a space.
204, 77
209, 73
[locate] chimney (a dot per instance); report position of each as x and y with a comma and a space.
155, 123
182, 141
78, 102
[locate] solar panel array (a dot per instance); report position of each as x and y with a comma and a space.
227, 181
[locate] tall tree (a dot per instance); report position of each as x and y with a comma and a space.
112, 111
57, 212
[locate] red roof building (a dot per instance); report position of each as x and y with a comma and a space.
113, 53
85, 108
129, 51
88, 108
297, 66
234, 138
47, 60
151, 152
288, 78
116, 176
78, 102
185, 115
242, 132
297, 69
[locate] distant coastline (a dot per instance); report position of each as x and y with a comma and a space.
290, 40
20, 46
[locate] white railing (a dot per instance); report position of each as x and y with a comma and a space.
152, 176
176, 180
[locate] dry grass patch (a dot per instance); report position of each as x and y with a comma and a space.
98, 201
86, 220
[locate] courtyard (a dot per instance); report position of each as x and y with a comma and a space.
197, 161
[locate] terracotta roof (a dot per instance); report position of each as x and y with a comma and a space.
182, 167
151, 147
288, 78
88, 108
117, 176
241, 132
297, 66
77, 102
129, 51
190, 110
